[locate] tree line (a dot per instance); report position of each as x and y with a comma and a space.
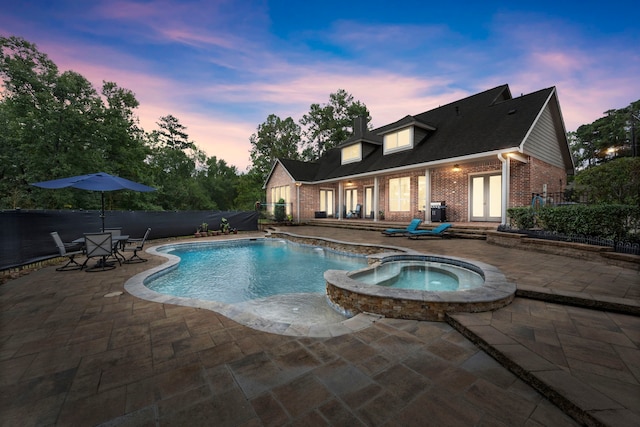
55, 125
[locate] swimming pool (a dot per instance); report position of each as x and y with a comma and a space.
421, 275
244, 270
337, 304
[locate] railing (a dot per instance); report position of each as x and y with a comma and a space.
561, 197
632, 248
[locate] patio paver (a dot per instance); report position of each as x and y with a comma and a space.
71, 356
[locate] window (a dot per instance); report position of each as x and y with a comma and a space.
350, 199
400, 194
326, 202
278, 193
422, 193
401, 140
352, 153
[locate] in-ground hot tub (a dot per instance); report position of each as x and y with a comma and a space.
419, 287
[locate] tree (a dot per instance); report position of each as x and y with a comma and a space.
249, 190
617, 181
220, 182
328, 125
125, 146
276, 138
27, 77
606, 138
173, 134
49, 129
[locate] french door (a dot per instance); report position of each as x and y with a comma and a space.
350, 200
486, 198
368, 203
326, 202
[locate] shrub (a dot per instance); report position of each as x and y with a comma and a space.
521, 218
279, 211
617, 222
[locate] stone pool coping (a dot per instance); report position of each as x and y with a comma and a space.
136, 287
353, 297
479, 299
356, 297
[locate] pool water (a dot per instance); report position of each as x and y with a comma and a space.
233, 272
420, 275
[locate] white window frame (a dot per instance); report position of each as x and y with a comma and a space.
327, 201
282, 192
422, 193
351, 153
400, 194
398, 141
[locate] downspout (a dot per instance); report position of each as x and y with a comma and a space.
298, 185
505, 188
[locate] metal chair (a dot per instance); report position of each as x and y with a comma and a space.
69, 250
99, 245
115, 233
136, 245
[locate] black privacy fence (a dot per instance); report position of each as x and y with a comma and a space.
25, 238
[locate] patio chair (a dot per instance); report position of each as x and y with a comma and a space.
413, 225
436, 232
99, 245
115, 242
135, 245
69, 250
356, 213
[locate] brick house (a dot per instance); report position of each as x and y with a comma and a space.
477, 156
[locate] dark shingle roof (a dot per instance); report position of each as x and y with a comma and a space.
301, 171
486, 122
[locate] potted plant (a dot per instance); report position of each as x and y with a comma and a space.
224, 226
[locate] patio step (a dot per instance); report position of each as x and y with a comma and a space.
465, 231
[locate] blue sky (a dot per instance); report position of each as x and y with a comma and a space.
221, 67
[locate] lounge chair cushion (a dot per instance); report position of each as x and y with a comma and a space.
438, 231
413, 225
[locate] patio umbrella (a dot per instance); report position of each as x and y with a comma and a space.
100, 181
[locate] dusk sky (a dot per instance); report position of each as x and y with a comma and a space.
221, 67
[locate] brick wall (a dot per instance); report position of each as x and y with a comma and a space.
447, 185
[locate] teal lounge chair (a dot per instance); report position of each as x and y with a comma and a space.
413, 226
436, 232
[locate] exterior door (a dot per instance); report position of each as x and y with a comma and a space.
486, 198
368, 203
350, 200
326, 202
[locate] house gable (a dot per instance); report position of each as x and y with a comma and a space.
547, 139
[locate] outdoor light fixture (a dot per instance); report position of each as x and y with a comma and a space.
456, 168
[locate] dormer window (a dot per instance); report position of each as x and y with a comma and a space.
351, 153
397, 141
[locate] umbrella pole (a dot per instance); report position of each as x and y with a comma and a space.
102, 212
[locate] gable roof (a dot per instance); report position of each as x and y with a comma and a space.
299, 170
488, 122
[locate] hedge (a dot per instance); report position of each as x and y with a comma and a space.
617, 222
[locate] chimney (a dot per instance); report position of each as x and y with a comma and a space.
359, 126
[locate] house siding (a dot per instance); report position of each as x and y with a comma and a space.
543, 141
280, 178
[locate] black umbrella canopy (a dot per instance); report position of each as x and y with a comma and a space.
100, 181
